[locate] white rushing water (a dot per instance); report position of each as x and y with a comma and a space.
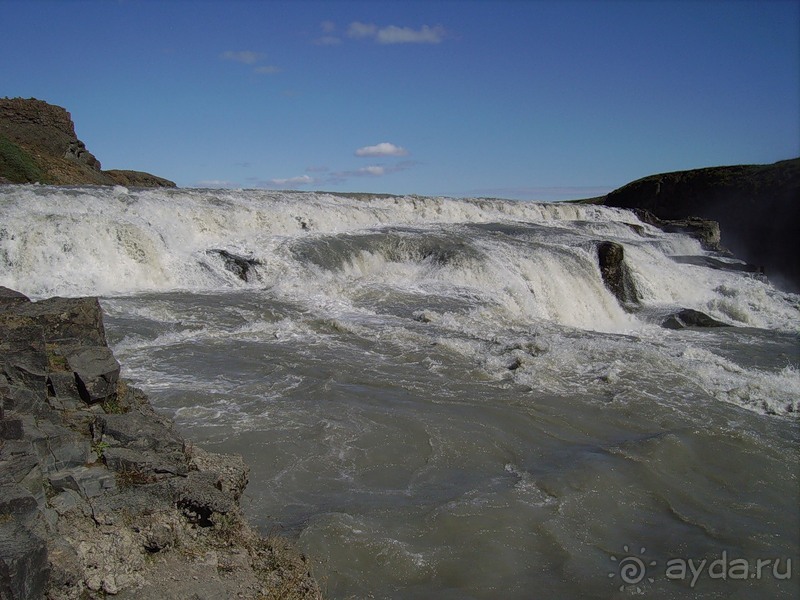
439, 397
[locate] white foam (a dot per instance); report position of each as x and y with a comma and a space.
763, 391
111, 241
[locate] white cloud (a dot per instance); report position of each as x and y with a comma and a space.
396, 35
266, 70
382, 149
361, 30
370, 171
293, 181
328, 26
247, 57
375, 170
406, 35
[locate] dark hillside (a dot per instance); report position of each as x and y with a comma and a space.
757, 207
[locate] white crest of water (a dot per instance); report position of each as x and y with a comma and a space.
113, 241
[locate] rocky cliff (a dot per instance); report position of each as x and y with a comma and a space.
757, 208
99, 495
38, 144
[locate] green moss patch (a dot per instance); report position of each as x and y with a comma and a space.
17, 165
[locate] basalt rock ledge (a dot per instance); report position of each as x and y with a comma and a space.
99, 494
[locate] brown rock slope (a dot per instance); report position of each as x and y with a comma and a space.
38, 144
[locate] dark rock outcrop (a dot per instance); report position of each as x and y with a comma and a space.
96, 372
757, 208
241, 266
38, 143
706, 231
93, 480
616, 274
690, 318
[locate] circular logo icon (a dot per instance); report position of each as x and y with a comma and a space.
632, 569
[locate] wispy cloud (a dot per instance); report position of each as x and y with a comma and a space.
382, 149
370, 171
329, 38
247, 57
406, 35
266, 70
291, 181
322, 175
374, 170
361, 30
393, 34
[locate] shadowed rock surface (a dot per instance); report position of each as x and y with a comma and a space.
241, 266
688, 317
616, 274
757, 208
99, 495
38, 143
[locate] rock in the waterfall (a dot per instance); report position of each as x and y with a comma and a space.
241, 266
616, 275
690, 318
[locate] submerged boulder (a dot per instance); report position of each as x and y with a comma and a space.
690, 318
616, 274
241, 266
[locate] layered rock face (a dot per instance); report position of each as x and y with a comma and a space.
38, 143
99, 495
757, 208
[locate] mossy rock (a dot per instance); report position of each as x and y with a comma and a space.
17, 165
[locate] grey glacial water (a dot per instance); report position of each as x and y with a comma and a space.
438, 397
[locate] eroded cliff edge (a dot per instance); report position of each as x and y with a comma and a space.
99, 495
38, 144
757, 207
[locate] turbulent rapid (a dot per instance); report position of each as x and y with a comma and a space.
440, 397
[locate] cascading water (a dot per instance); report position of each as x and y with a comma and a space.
439, 397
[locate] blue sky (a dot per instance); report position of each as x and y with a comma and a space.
518, 99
